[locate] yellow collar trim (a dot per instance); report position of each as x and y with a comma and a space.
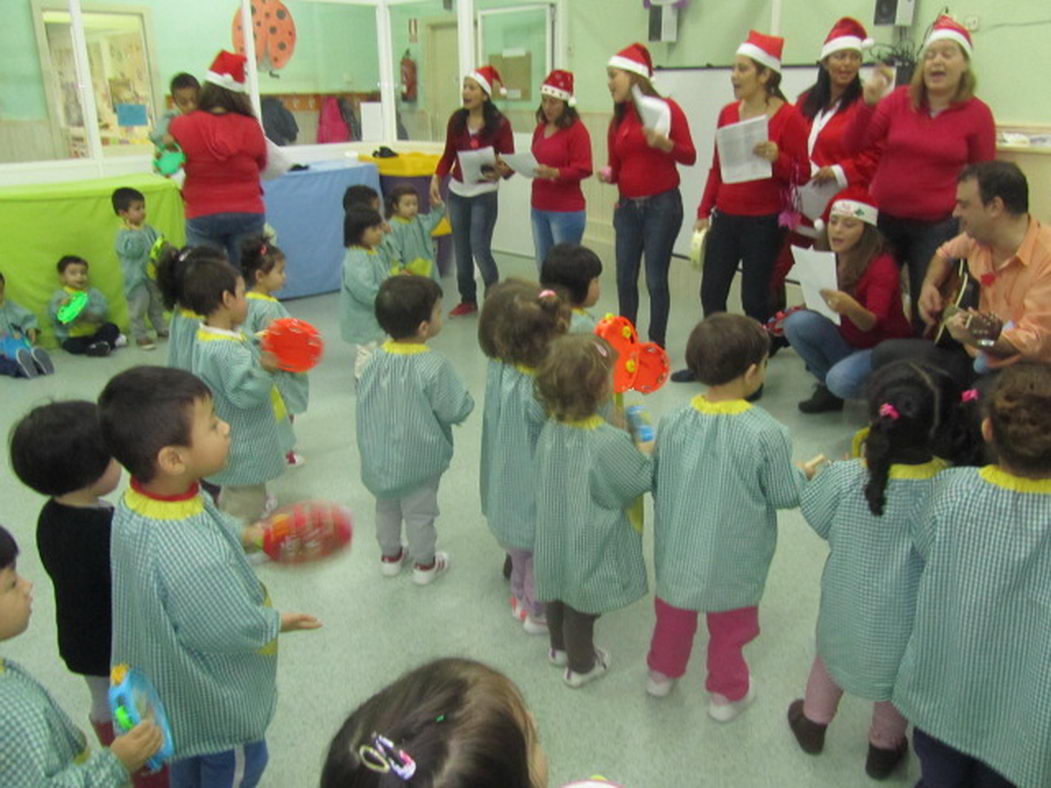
72, 290
163, 510
592, 422
530, 371
579, 310
402, 219
405, 348
189, 314
252, 294
1001, 478
730, 407
925, 470
3, 666
210, 334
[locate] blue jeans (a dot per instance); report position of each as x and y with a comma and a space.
647, 225
241, 767
943, 766
224, 231
473, 220
556, 227
830, 358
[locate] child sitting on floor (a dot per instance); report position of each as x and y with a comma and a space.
89, 331
19, 356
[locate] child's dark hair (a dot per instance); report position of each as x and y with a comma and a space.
519, 320
258, 255
58, 448
124, 196
395, 197
356, 221
67, 260
174, 265
144, 409
359, 195
1018, 409
723, 346
183, 80
3, 280
574, 378
8, 549
912, 415
462, 723
404, 302
570, 267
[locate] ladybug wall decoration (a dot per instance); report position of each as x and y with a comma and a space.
274, 32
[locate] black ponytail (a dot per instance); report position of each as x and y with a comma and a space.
173, 266
258, 253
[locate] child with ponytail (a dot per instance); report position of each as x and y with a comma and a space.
865, 509
171, 270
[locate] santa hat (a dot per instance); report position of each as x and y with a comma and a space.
853, 201
635, 59
847, 33
948, 29
559, 84
763, 49
228, 71
487, 77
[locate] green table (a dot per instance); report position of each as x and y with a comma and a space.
41, 223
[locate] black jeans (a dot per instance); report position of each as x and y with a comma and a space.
953, 359
647, 225
915, 243
755, 241
107, 332
573, 632
945, 767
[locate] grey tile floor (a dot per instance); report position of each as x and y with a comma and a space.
375, 628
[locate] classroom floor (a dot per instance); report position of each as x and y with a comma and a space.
375, 628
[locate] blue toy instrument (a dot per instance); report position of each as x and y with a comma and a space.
132, 699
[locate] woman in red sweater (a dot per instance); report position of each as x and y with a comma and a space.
225, 152
868, 302
473, 206
926, 132
642, 162
562, 148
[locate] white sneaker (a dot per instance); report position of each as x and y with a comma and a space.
722, 709
295, 460
658, 685
601, 667
422, 577
268, 506
557, 657
391, 567
120, 341
534, 625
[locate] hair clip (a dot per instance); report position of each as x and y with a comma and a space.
601, 350
547, 293
184, 254
888, 410
263, 249
971, 395
382, 756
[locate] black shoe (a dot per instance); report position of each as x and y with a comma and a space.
821, 401
881, 763
756, 395
683, 376
776, 343
98, 349
809, 734
25, 363
42, 361
507, 567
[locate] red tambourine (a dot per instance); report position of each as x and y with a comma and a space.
622, 337
307, 531
653, 368
295, 343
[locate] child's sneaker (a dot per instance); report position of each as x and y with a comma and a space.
25, 363
534, 625
424, 575
42, 361
391, 566
601, 667
98, 349
557, 657
295, 460
658, 685
464, 308
162, 335
722, 709
517, 611
120, 341
269, 504
145, 343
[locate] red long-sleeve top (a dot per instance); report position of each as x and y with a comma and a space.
502, 140
642, 171
831, 150
569, 151
879, 291
224, 155
766, 196
921, 155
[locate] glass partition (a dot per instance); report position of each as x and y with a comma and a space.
426, 68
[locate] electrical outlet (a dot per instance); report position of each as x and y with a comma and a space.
972, 22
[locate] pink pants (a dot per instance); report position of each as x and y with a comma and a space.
728, 633
822, 699
522, 585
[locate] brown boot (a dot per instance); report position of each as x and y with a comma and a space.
809, 734
880, 763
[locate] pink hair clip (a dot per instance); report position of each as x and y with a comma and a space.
971, 395
547, 293
888, 410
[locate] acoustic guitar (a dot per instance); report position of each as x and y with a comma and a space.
960, 293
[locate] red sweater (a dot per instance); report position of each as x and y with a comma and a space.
568, 150
763, 197
830, 148
879, 291
224, 156
502, 141
642, 171
920, 155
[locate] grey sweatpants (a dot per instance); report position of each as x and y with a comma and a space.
418, 509
146, 299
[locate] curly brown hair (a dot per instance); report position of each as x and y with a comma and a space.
722, 347
576, 376
519, 320
1021, 419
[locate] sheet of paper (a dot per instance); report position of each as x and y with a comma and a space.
371, 121
474, 162
816, 271
735, 143
278, 162
813, 197
654, 112
522, 163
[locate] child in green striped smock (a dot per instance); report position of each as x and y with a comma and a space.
172, 267
587, 556
409, 398
364, 269
263, 268
722, 469
574, 270
865, 510
974, 678
517, 323
188, 610
410, 239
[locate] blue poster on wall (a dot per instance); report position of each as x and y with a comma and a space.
132, 115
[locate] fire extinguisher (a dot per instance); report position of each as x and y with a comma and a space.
408, 77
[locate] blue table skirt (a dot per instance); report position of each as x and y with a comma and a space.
305, 208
